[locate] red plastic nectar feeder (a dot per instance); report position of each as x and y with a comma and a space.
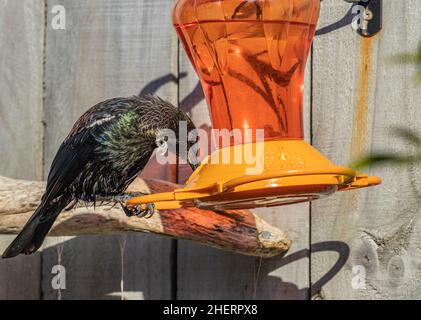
250, 57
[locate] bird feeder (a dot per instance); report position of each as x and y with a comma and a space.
250, 57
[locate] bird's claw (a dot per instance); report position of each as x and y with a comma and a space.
148, 212
139, 212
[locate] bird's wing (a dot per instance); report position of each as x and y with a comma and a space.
69, 161
78, 149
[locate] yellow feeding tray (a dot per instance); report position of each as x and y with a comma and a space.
284, 172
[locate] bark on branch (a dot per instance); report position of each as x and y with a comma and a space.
241, 231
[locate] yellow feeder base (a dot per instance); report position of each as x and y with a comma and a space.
283, 172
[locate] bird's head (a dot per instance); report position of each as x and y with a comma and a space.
177, 134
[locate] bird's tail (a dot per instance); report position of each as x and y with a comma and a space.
35, 230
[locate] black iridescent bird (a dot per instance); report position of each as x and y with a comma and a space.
104, 152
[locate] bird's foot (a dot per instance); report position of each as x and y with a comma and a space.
122, 198
139, 212
135, 210
127, 196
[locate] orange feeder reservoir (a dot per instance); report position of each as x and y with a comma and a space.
250, 57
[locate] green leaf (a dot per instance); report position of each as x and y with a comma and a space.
383, 159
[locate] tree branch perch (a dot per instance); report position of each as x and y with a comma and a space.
240, 231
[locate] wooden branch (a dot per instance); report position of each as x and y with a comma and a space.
240, 231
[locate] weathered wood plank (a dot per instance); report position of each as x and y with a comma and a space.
21, 128
206, 273
108, 49
358, 95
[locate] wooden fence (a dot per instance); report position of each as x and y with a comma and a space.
362, 244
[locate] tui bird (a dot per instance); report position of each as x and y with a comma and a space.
104, 152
